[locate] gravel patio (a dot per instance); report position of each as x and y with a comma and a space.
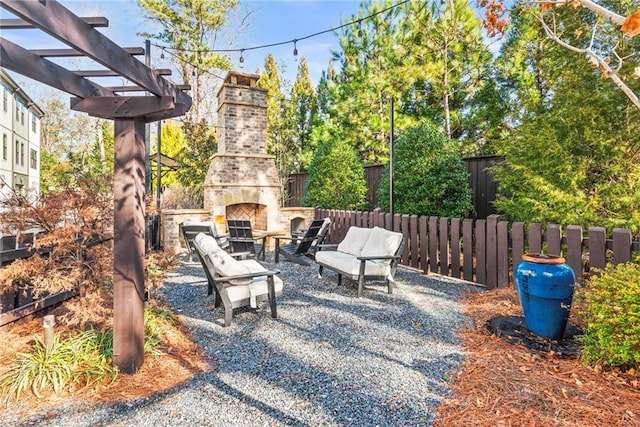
330, 359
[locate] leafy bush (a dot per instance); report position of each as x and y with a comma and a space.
611, 311
83, 359
429, 175
336, 178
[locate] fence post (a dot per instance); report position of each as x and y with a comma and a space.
467, 249
503, 254
597, 247
424, 255
574, 250
554, 240
433, 244
481, 252
455, 247
492, 251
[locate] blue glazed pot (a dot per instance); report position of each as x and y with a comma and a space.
545, 287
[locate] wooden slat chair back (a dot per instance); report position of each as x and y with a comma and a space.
190, 229
241, 238
305, 246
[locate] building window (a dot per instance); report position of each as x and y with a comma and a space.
22, 117
5, 148
5, 100
17, 152
22, 154
33, 122
34, 158
17, 111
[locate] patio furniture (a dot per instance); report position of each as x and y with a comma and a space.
304, 245
363, 254
190, 229
236, 283
241, 238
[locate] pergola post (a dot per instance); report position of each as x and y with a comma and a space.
129, 244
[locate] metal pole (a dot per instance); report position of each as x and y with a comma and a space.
391, 163
158, 167
147, 128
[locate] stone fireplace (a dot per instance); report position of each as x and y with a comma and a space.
242, 181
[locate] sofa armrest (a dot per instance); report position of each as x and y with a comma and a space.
372, 258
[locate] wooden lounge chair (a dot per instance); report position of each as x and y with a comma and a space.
303, 246
236, 283
241, 238
190, 229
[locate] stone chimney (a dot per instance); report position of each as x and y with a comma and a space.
242, 181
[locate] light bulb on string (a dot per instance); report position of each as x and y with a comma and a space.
295, 48
162, 54
242, 58
360, 28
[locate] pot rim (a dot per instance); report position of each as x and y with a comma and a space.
539, 258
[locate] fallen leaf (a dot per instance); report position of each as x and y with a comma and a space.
636, 72
631, 25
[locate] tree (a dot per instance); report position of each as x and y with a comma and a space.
336, 176
445, 58
429, 175
173, 145
603, 43
303, 111
191, 28
572, 155
195, 158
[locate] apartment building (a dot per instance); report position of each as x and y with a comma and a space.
20, 124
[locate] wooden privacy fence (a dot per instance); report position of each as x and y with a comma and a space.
485, 251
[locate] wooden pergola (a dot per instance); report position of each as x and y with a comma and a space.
130, 115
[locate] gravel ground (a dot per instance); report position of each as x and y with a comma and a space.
330, 359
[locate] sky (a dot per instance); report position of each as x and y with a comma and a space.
268, 22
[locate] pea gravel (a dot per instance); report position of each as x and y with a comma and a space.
330, 359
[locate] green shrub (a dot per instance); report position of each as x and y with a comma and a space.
429, 175
84, 359
336, 178
611, 312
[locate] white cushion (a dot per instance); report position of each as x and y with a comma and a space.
381, 242
354, 241
348, 265
223, 263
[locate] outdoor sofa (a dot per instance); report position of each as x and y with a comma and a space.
363, 254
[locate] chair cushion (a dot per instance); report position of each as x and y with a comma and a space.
381, 242
350, 266
223, 263
354, 241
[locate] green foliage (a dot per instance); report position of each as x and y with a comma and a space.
611, 312
336, 176
429, 175
173, 145
573, 157
201, 144
83, 359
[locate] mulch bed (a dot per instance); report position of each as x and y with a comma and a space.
518, 379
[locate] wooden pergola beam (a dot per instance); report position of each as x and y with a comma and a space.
110, 73
21, 24
31, 65
122, 107
72, 53
55, 20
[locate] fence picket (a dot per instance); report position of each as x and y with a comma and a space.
554, 240
492, 251
597, 247
534, 237
444, 246
433, 244
424, 232
574, 250
503, 254
404, 222
414, 236
455, 247
481, 252
621, 245
467, 249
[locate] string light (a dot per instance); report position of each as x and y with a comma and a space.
162, 54
360, 28
355, 21
241, 58
295, 48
